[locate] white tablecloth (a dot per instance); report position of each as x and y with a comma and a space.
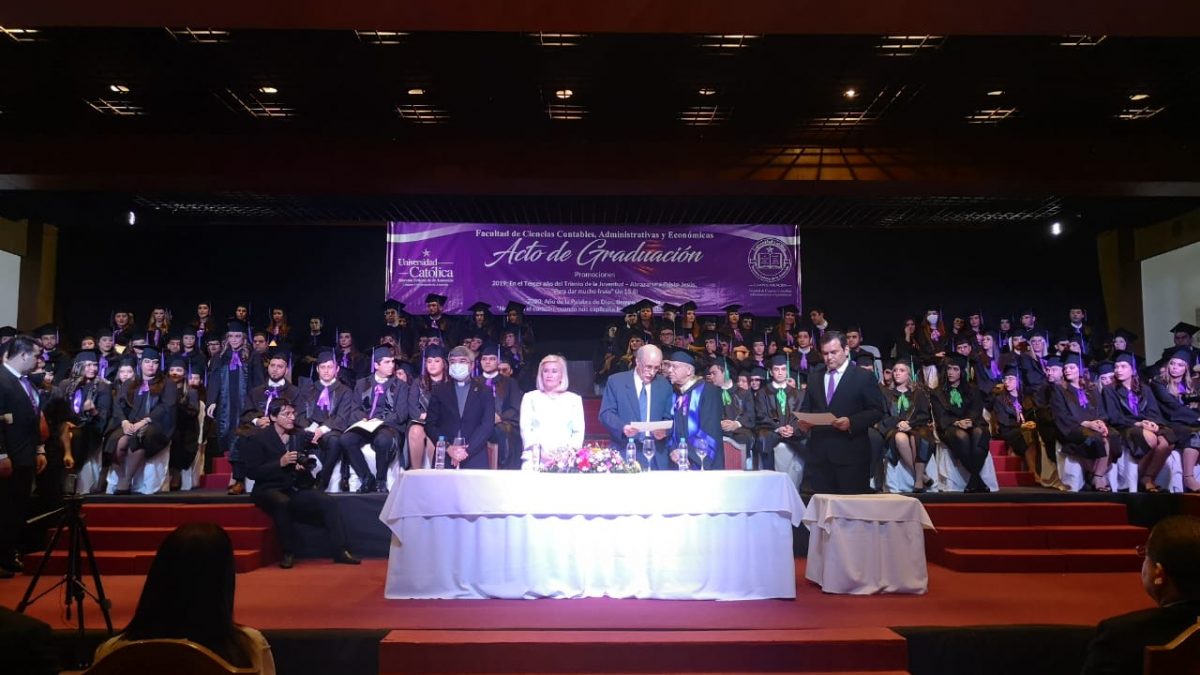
863, 544
714, 535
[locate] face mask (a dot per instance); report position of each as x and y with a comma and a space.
932, 319
459, 371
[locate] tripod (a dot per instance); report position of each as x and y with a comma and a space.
70, 519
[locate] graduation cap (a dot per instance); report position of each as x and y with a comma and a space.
689, 306
1126, 357
514, 306
150, 354
406, 367
176, 361
1183, 327
325, 356
86, 356
8, 332
392, 304
212, 339
731, 309
1184, 354
1054, 362
233, 325
380, 353
709, 320
434, 297
1011, 370
758, 372
724, 364
788, 309
629, 309
964, 339
955, 359
1104, 368
1129, 336
435, 352
865, 360
668, 307
279, 353
480, 307
643, 304
44, 330
888, 363
778, 360
127, 360
1028, 311
489, 348
683, 356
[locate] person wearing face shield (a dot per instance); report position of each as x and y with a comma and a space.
462, 406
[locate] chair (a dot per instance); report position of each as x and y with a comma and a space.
393, 472
898, 479
1170, 478
1071, 473
1180, 656
735, 454
179, 657
952, 477
151, 478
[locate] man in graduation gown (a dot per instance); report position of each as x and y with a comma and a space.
276, 386
56, 364
839, 455
462, 405
780, 442
507, 435
383, 397
1077, 330
737, 407
308, 345
696, 415
324, 408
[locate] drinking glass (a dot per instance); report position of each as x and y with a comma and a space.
702, 452
648, 453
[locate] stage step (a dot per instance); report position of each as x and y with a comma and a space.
133, 562
1041, 560
844, 651
149, 538
1020, 478
216, 481
1033, 537
126, 514
221, 465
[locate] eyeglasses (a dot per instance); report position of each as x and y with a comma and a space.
1140, 550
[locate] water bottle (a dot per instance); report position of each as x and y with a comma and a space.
682, 451
439, 453
630, 451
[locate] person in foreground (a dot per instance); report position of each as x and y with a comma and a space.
277, 460
1171, 577
189, 596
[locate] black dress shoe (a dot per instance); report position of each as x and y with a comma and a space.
344, 558
287, 561
381, 486
368, 485
344, 485
126, 492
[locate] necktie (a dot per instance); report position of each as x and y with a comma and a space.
29, 392
832, 386
644, 404
235, 361
272, 393
1083, 399
375, 399
803, 361
323, 399
1132, 399
492, 385
781, 399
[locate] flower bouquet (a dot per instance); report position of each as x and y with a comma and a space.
591, 458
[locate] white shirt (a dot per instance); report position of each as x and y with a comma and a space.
837, 376
553, 422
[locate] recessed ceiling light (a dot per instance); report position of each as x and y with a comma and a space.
118, 88
268, 89
707, 92
1139, 97
996, 92
850, 93
1056, 228
564, 94
416, 91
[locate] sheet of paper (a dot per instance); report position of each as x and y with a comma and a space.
646, 427
368, 426
816, 419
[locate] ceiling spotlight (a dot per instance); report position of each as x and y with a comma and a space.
1056, 229
118, 89
707, 92
564, 94
996, 92
1139, 97
416, 91
268, 89
850, 93
131, 218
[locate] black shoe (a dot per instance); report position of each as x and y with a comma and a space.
344, 485
127, 492
367, 486
381, 486
287, 561
344, 558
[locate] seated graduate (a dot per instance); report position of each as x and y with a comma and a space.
353, 365
158, 326
1133, 412
379, 396
278, 459
933, 343
517, 321
1171, 577
958, 416
1075, 406
55, 363
1104, 373
986, 364
107, 355
144, 411
186, 440
507, 434
774, 422
276, 386
1013, 411
551, 416
203, 323
697, 416
480, 321
462, 406
1033, 362
81, 407
1179, 401
323, 409
784, 333
433, 371
189, 595
731, 330
737, 406
1181, 334
1121, 342
512, 349
757, 358
906, 424
1044, 421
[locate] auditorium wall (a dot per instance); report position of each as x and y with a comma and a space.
874, 277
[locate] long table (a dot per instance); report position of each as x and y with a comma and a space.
712, 535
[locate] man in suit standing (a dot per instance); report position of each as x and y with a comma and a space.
1171, 577
22, 453
462, 405
839, 456
638, 395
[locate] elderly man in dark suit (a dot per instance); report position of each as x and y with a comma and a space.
22, 454
638, 395
1171, 577
838, 459
462, 405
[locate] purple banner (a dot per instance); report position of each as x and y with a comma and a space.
594, 269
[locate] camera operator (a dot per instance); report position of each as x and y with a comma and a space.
279, 460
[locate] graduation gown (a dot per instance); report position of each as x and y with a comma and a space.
228, 390
352, 367
256, 401
160, 404
391, 405
917, 413
928, 347
740, 409
1069, 413
697, 419
339, 414
1183, 420
1115, 403
507, 395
